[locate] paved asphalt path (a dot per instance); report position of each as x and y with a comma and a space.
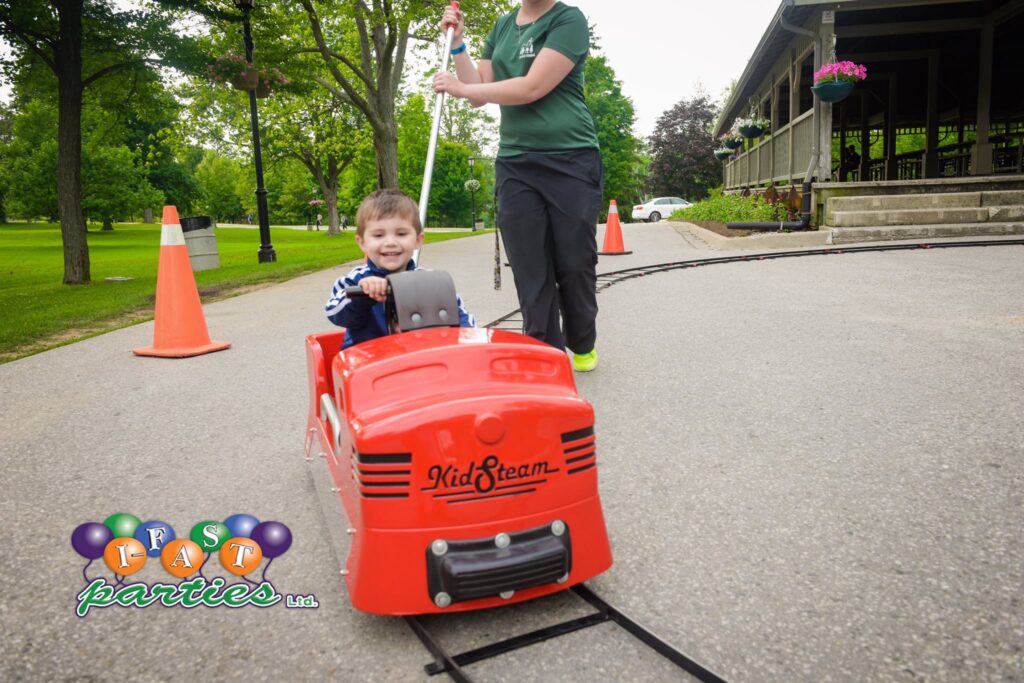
812, 470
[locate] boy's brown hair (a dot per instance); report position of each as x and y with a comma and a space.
384, 204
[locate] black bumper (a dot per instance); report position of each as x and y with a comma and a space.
478, 568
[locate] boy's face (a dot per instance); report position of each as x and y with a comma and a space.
390, 242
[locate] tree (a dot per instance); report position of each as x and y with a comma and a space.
114, 182
114, 185
614, 117
5, 139
449, 203
324, 136
682, 158
30, 162
219, 180
81, 42
365, 58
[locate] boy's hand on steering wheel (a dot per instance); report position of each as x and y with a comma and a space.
375, 287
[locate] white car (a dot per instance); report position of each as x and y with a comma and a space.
654, 210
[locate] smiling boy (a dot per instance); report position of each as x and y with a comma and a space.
389, 232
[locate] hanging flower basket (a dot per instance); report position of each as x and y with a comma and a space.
723, 153
832, 91
753, 126
730, 140
235, 70
270, 80
247, 79
834, 81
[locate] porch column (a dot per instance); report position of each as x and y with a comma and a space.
931, 125
794, 107
775, 129
865, 137
843, 170
890, 130
981, 155
827, 36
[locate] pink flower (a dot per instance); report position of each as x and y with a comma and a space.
839, 72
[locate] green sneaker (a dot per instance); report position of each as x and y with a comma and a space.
584, 362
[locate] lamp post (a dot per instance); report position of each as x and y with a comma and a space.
266, 253
472, 192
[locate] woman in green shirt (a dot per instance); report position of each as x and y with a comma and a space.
549, 177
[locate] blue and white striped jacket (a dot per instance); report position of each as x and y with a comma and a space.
363, 318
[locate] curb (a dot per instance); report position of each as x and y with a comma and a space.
786, 240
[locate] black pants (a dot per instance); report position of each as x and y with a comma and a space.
547, 213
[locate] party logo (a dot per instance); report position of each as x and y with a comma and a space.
241, 544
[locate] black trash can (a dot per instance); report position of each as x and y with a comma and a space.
201, 242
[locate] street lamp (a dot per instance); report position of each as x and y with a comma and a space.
472, 161
266, 252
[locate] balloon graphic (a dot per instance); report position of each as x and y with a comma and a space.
181, 557
154, 534
90, 539
240, 555
122, 524
241, 525
210, 535
125, 555
274, 538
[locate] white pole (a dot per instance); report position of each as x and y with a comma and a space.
428, 169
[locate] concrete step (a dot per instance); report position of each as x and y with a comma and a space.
1006, 213
884, 233
936, 200
855, 219
1003, 198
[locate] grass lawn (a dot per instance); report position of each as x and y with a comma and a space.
38, 312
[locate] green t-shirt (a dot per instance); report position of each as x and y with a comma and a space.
559, 121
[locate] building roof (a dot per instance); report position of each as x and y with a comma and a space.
776, 39
772, 44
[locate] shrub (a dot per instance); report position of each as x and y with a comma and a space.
729, 208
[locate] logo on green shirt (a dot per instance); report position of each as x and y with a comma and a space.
526, 49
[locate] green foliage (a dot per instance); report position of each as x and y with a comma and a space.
222, 184
113, 186
682, 151
450, 202
729, 208
614, 117
30, 162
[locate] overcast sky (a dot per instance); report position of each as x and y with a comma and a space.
663, 50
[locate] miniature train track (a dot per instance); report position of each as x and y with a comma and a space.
513, 320
452, 664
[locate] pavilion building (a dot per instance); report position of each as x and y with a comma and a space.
931, 143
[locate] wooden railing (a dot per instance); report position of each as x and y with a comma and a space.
1008, 159
781, 159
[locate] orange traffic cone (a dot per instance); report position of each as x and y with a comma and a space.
613, 234
180, 328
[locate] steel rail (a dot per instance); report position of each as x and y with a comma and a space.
451, 664
606, 280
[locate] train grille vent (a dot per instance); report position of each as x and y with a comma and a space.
382, 475
580, 450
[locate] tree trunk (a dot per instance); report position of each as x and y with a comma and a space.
385, 143
68, 63
108, 223
331, 197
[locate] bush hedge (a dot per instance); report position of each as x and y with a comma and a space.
729, 208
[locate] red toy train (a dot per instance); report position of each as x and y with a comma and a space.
464, 458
